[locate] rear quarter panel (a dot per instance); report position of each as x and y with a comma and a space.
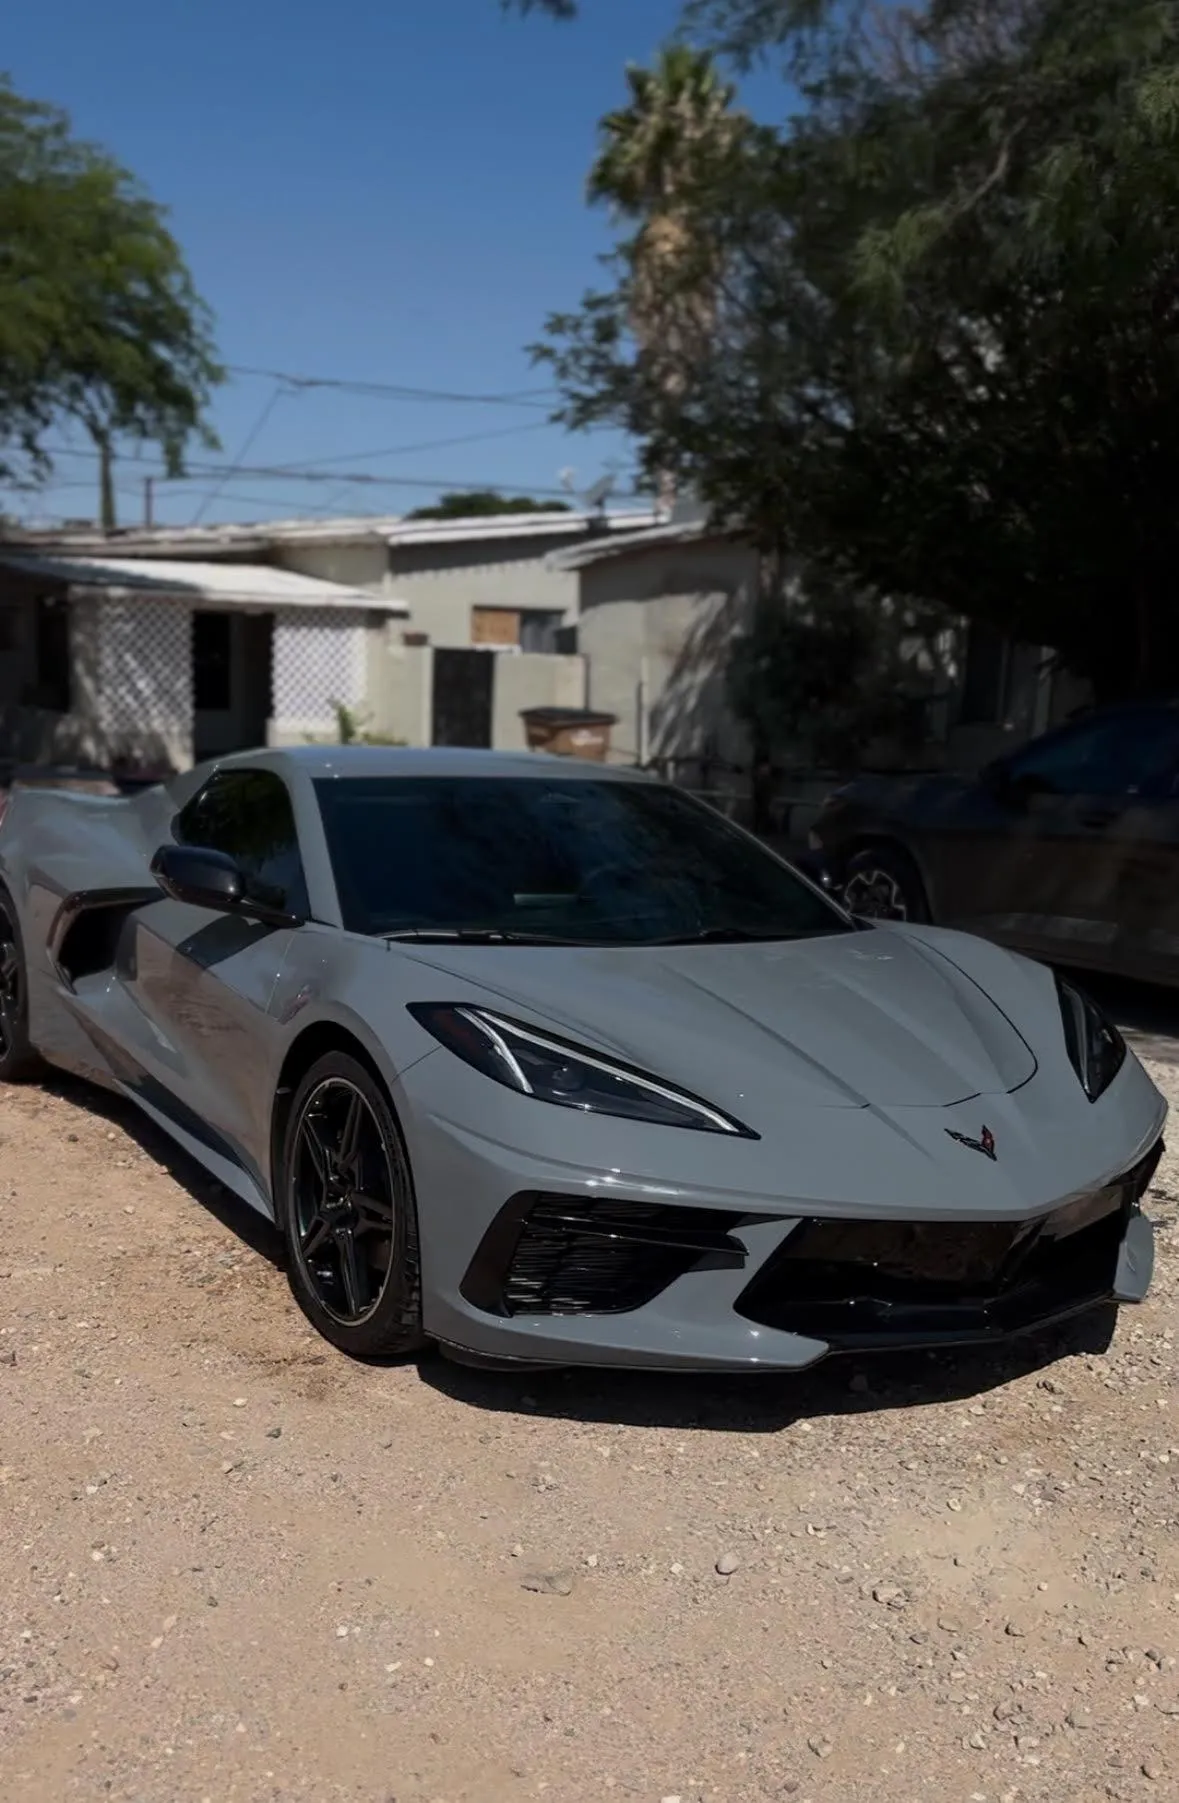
55, 844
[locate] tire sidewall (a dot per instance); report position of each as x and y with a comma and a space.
395, 1326
20, 1061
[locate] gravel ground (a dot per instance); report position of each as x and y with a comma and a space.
236, 1567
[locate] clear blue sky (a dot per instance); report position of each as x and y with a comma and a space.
381, 190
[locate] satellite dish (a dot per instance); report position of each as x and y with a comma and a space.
567, 478
597, 496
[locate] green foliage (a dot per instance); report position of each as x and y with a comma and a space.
825, 673
99, 320
476, 503
350, 728
943, 360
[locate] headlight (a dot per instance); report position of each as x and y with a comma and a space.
1096, 1049
551, 1070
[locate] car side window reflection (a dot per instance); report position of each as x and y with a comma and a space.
1126, 755
248, 815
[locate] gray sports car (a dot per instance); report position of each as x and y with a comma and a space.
550, 1064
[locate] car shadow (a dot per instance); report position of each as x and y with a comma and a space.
238, 1217
767, 1404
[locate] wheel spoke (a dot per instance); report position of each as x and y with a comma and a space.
373, 1216
316, 1150
349, 1147
353, 1273
317, 1234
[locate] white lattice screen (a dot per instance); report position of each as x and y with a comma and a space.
319, 659
144, 670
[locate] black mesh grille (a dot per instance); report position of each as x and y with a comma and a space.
561, 1255
856, 1283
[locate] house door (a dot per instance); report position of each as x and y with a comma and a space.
231, 681
463, 691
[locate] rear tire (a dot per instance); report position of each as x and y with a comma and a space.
347, 1212
18, 1059
883, 883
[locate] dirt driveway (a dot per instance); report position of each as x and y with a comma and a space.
237, 1567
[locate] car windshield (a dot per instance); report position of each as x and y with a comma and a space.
573, 860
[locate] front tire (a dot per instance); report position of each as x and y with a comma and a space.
883, 883
347, 1212
18, 1060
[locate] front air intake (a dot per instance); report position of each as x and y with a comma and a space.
572, 1255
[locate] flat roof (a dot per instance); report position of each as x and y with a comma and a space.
218, 584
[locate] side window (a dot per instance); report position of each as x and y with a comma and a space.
248, 814
1125, 754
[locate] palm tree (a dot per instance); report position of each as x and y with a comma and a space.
655, 152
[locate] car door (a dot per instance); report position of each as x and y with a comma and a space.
197, 984
1080, 802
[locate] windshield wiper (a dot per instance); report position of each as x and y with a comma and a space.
728, 936
429, 935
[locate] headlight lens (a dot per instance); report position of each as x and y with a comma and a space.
551, 1070
1096, 1049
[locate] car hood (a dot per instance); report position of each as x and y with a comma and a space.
851, 1020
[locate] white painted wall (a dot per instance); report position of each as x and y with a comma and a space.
524, 680
667, 614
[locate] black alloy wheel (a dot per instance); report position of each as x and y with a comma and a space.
883, 884
347, 1211
17, 1057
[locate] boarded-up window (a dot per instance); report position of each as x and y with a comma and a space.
495, 626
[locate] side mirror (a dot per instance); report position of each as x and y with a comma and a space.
200, 877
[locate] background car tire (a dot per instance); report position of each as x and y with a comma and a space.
329, 1234
18, 1060
883, 883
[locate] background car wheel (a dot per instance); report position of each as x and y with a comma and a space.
884, 884
18, 1060
346, 1208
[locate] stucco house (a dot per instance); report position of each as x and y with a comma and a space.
161, 646
659, 609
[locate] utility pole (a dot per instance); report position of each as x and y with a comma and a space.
106, 489
149, 489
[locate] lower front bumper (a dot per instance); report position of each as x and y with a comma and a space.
566, 1281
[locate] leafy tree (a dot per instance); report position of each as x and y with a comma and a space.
475, 503
99, 320
944, 360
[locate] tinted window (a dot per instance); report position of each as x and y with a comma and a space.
248, 814
1123, 754
599, 862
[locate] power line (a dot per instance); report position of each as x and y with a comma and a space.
248, 444
430, 444
367, 478
520, 397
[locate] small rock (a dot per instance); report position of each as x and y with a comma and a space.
891, 1595
822, 1749
1016, 1630
274, 1433
548, 1583
1153, 1769
7, 1358
727, 1564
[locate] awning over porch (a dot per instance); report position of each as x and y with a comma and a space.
212, 585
